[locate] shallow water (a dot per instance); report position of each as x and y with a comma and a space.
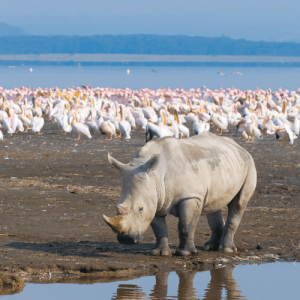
144, 76
265, 281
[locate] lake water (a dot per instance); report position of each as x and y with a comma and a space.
153, 77
265, 281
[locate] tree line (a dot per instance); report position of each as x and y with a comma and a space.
143, 44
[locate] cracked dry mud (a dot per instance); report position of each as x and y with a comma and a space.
54, 191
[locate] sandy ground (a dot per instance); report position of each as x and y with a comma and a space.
54, 191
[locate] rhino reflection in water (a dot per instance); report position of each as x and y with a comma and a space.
185, 178
220, 278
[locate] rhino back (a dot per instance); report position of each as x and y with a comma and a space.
210, 168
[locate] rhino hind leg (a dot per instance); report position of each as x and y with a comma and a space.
236, 210
160, 230
235, 214
189, 212
216, 224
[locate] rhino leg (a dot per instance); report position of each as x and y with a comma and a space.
160, 230
216, 224
160, 290
236, 210
189, 212
186, 288
235, 213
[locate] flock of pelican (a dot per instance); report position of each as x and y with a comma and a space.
160, 113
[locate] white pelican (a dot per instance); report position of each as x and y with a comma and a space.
7, 125
37, 124
285, 134
124, 125
91, 123
183, 130
24, 119
109, 129
141, 122
184, 108
203, 115
150, 114
200, 127
13, 119
190, 119
37, 109
251, 129
62, 121
129, 117
160, 130
219, 122
79, 127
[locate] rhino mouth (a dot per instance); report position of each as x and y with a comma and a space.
129, 239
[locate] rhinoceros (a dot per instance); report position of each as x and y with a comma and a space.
185, 178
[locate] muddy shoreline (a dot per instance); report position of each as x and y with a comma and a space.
54, 191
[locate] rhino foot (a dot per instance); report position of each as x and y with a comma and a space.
228, 248
180, 252
211, 245
186, 250
163, 251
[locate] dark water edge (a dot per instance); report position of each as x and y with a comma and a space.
149, 64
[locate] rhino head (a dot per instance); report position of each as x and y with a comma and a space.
138, 202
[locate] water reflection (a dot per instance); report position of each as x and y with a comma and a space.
129, 291
221, 279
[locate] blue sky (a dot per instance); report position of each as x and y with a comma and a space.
255, 19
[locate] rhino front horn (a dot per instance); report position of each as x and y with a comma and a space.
114, 223
118, 165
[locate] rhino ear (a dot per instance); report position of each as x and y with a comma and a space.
152, 163
118, 165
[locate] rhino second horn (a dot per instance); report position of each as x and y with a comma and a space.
118, 165
122, 209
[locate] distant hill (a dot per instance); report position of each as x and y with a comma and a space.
8, 30
143, 44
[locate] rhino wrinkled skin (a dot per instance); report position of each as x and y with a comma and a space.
185, 178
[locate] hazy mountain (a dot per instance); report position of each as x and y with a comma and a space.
256, 27
254, 20
8, 30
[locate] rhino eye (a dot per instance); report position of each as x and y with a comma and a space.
141, 208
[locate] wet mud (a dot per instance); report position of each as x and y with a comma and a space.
54, 191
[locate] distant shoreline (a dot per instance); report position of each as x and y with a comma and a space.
124, 58
147, 59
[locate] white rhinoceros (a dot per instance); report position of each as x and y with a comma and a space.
185, 178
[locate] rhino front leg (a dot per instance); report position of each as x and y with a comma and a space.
189, 212
160, 230
216, 224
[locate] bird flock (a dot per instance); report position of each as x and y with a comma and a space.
162, 112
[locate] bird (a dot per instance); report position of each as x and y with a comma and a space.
109, 129
222, 74
161, 112
79, 127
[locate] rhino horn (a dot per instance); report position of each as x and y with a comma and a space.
118, 165
122, 209
114, 223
